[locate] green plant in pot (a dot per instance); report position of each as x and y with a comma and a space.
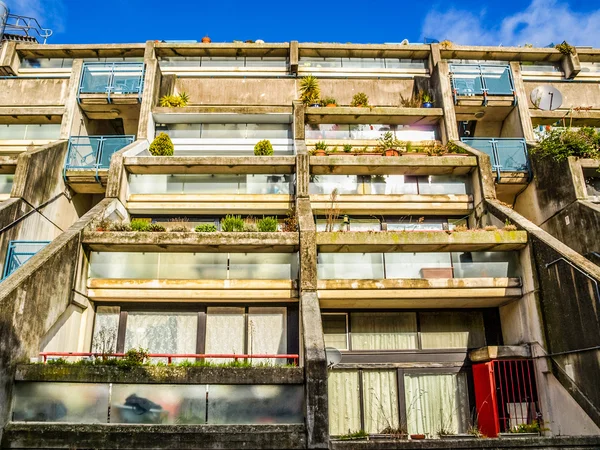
389, 145
310, 93
161, 146
360, 100
329, 102
321, 148
347, 148
426, 99
263, 148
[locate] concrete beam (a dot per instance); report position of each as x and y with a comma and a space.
210, 164
9, 60
222, 49
501, 53
116, 183
150, 95
302, 175
570, 65
485, 354
409, 51
375, 114
299, 113
78, 51
71, 105
315, 364
293, 57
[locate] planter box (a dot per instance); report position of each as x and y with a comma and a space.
517, 435
437, 272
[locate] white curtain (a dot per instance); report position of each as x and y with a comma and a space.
335, 330
452, 330
343, 401
380, 400
384, 331
436, 403
106, 328
267, 333
224, 332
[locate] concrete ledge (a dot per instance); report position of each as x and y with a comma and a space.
151, 437
210, 164
576, 118
173, 115
401, 165
154, 374
132, 241
375, 114
501, 53
420, 241
485, 354
80, 50
536, 443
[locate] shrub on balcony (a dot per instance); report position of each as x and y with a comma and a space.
290, 223
267, 224
232, 223
156, 228
329, 101
206, 228
559, 144
310, 93
174, 101
120, 226
263, 148
565, 48
389, 145
347, 148
139, 225
250, 224
360, 100
161, 146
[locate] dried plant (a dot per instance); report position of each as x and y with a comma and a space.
333, 213
490, 228
250, 224
290, 223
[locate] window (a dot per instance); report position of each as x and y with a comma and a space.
384, 330
456, 329
335, 330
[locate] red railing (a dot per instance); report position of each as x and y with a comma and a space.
171, 356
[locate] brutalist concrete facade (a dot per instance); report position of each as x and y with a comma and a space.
547, 315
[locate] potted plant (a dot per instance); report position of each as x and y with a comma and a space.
161, 146
329, 102
347, 148
427, 99
310, 92
206, 40
263, 148
389, 145
417, 436
360, 100
321, 148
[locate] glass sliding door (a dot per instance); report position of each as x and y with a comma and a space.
267, 333
344, 402
380, 401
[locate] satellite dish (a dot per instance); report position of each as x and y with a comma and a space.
546, 98
333, 356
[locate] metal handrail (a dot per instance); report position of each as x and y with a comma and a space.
171, 356
109, 68
11, 253
497, 166
455, 73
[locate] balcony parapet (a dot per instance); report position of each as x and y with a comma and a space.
376, 114
210, 164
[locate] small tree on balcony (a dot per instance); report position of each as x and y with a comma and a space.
161, 145
263, 148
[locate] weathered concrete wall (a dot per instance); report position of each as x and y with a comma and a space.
574, 94
33, 298
381, 93
196, 437
33, 92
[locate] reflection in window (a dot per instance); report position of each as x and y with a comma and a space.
368, 132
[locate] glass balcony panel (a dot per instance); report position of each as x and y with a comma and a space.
224, 332
483, 145
257, 404
192, 266
222, 61
442, 184
456, 329
436, 401
12, 131
95, 82
6, 183
42, 131
395, 63
266, 61
106, 329
410, 265
512, 154
393, 184
269, 184
46, 63
261, 131
320, 62
223, 130
350, 266
184, 130
338, 225
325, 184
122, 265
380, 400
343, 401
180, 61
165, 404
413, 224
467, 84
366, 131
117, 78
485, 264
384, 330
263, 266
327, 131
162, 332
497, 80
19, 252
363, 63
365, 225
60, 402
267, 333
94, 152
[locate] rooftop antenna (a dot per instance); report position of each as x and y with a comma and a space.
546, 98
20, 28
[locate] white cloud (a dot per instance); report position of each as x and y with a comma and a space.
542, 22
49, 13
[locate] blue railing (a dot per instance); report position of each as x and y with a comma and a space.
481, 79
507, 155
18, 253
112, 78
93, 152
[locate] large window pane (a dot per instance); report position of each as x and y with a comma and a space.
384, 331
106, 329
485, 264
335, 329
380, 399
410, 265
343, 401
224, 332
349, 266
393, 184
162, 332
452, 329
442, 184
267, 333
326, 184
435, 403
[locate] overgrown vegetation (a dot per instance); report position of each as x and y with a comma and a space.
232, 223
156, 227
174, 101
360, 100
328, 101
565, 48
388, 142
139, 225
361, 434
206, 228
533, 427
162, 146
559, 144
263, 148
290, 223
310, 92
267, 224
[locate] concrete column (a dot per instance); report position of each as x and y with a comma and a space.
570, 65
308, 245
71, 105
152, 78
441, 79
9, 59
294, 57
522, 102
299, 111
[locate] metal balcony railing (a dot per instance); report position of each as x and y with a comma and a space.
507, 154
19, 252
93, 152
112, 78
481, 79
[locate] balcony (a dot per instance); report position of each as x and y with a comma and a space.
19, 252
105, 83
417, 280
474, 84
509, 158
17, 138
88, 161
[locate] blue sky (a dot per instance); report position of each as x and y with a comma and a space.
502, 22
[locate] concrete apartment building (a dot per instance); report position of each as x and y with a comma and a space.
457, 281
